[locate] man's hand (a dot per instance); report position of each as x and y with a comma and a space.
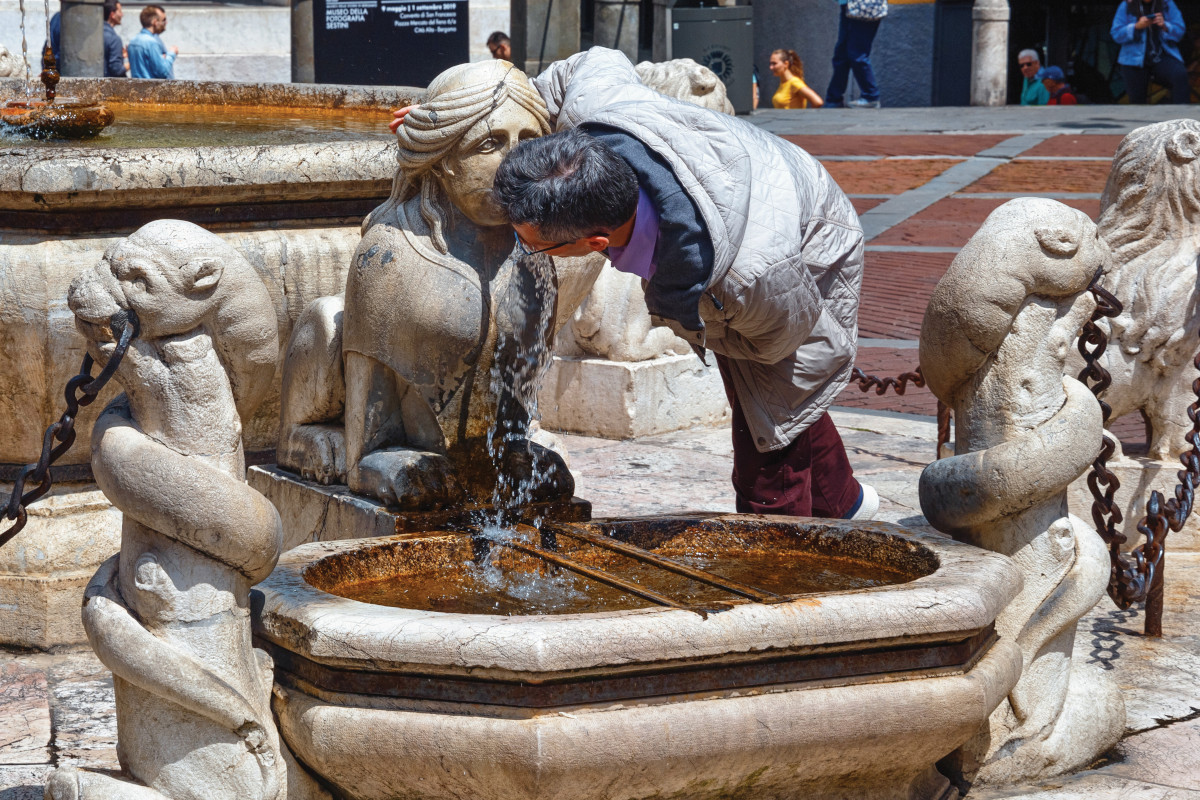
399, 115
1160, 21
174, 49
1141, 24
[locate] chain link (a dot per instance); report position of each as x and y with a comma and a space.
1137, 577
880, 385
81, 391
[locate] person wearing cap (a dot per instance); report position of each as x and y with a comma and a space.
1056, 84
1033, 93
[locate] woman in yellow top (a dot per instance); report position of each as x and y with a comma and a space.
793, 91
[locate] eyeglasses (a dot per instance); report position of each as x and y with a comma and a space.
1024, 64
525, 251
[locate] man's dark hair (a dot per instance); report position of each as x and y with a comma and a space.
497, 38
110, 7
149, 13
567, 185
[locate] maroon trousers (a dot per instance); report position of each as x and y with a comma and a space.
811, 477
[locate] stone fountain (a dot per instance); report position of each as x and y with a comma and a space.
702, 656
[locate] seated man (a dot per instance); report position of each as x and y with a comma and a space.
746, 247
1056, 85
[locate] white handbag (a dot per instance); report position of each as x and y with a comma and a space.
866, 9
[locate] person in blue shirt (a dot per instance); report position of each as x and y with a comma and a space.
114, 48
1149, 32
148, 56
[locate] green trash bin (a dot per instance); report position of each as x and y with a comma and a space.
722, 39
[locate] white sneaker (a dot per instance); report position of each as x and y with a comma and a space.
868, 507
861, 103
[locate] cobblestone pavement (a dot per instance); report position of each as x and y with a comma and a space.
922, 179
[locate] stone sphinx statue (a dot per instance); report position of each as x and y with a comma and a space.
993, 342
394, 388
170, 614
1150, 219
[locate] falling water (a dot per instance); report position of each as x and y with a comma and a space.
523, 355
25, 51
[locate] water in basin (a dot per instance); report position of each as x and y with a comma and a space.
143, 125
454, 573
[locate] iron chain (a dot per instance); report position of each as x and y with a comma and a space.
81, 391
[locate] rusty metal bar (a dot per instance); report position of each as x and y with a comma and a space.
670, 565
604, 577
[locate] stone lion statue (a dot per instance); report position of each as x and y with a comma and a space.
1150, 219
401, 387
684, 79
170, 614
996, 333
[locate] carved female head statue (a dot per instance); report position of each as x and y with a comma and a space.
452, 143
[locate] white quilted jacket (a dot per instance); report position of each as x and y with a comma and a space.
788, 246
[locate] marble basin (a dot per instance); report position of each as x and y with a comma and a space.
810, 693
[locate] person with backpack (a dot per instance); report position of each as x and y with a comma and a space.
1149, 32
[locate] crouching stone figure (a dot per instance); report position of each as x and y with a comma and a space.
996, 333
170, 614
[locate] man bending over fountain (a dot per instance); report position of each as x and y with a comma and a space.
745, 245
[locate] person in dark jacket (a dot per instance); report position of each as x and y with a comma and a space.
114, 48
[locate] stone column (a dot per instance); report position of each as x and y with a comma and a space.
617, 26
532, 20
82, 44
989, 53
661, 39
303, 69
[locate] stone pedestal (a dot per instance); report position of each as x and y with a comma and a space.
44, 569
616, 26
312, 512
624, 400
1139, 477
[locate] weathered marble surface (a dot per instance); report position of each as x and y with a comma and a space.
393, 388
667, 474
41, 349
170, 613
10, 65
777, 744
1150, 219
995, 335
684, 79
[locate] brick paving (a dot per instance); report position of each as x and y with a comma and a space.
1045, 176
896, 289
946, 144
951, 222
1077, 146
